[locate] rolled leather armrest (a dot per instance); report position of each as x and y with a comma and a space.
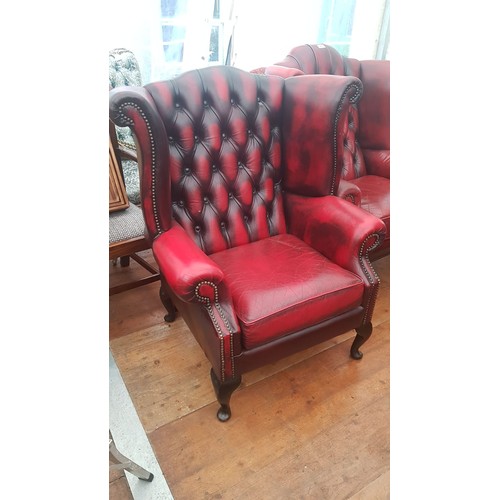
335, 227
186, 268
282, 71
378, 162
350, 192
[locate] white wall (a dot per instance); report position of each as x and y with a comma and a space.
134, 25
366, 28
266, 30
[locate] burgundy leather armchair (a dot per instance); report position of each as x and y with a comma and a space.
253, 251
366, 163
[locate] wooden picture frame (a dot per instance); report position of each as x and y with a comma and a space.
118, 199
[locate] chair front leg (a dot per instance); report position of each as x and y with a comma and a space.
223, 391
169, 306
363, 334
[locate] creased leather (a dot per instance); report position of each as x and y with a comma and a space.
378, 162
342, 232
284, 286
350, 192
376, 195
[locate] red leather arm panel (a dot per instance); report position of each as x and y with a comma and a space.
378, 162
183, 264
350, 192
338, 229
196, 279
344, 233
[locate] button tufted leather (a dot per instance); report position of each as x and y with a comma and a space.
228, 143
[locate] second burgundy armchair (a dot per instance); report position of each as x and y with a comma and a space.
366, 163
253, 251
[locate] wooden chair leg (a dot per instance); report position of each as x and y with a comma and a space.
169, 306
125, 261
363, 334
223, 391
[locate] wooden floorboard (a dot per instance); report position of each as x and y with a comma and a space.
118, 486
314, 425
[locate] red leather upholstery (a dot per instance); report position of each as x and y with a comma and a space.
366, 136
374, 110
253, 251
285, 285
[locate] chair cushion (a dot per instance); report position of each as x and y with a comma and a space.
280, 285
375, 196
126, 224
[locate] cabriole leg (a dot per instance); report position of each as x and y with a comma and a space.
363, 334
223, 391
169, 306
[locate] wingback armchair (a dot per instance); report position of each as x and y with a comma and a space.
366, 163
253, 251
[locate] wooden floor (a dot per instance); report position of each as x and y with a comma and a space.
313, 426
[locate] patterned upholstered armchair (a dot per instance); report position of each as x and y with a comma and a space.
123, 71
366, 164
237, 172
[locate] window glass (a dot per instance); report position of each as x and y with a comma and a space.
172, 8
214, 45
216, 14
336, 29
173, 48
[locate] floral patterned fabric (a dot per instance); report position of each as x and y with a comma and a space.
124, 71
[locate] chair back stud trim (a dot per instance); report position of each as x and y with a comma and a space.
129, 121
353, 99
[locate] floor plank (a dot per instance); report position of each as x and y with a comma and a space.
282, 422
118, 486
314, 425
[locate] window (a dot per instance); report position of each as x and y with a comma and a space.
194, 34
356, 28
336, 27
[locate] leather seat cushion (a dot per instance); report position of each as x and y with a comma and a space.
375, 197
280, 285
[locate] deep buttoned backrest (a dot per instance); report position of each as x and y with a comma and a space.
224, 141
